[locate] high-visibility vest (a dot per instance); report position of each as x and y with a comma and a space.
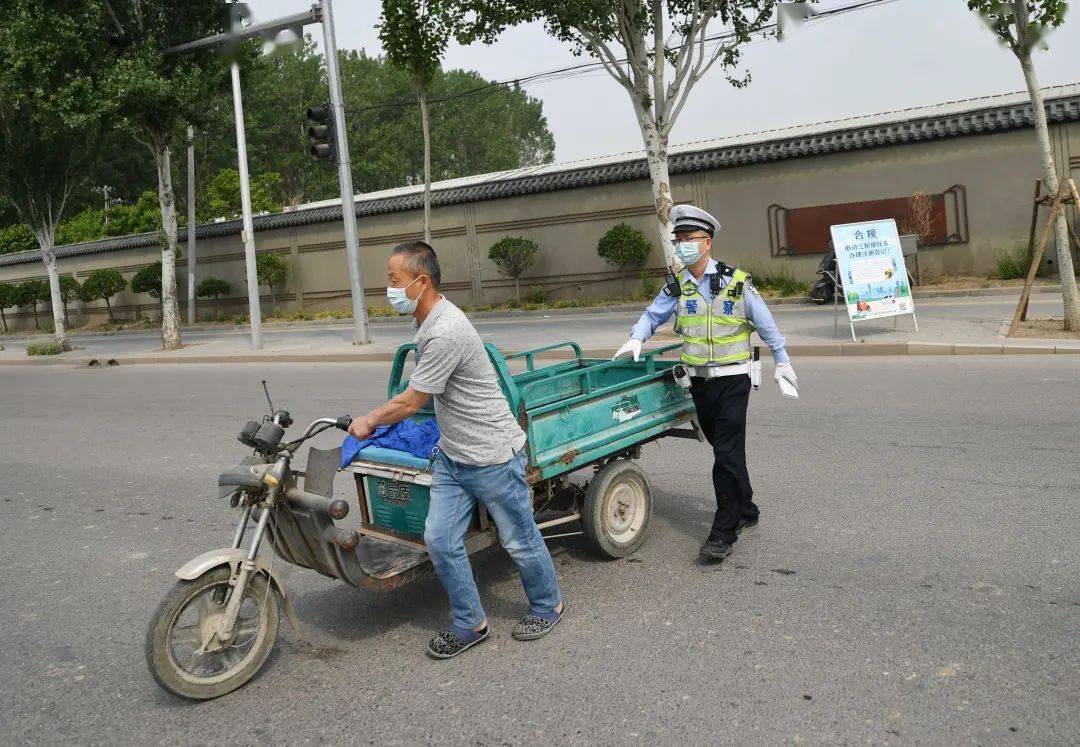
718, 332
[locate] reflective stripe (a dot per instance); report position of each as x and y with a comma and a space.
701, 332
714, 337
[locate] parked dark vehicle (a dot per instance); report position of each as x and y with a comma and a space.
824, 289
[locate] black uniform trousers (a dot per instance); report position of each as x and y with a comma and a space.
721, 408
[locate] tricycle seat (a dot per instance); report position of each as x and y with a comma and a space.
395, 457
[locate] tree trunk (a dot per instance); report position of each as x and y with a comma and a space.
517, 290
273, 297
33, 307
108, 308
170, 311
426, 121
1069, 291
3, 317
59, 308
656, 154
622, 280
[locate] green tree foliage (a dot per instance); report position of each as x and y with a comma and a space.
624, 246
103, 285
271, 270
31, 293
223, 194
512, 256
656, 51
9, 296
85, 225
414, 34
148, 280
70, 290
51, 109
213, 288
17, 238
143, 216
157, 96
497, 129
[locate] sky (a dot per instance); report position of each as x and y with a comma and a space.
892, 56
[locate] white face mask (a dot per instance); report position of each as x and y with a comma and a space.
400, 301
688, 252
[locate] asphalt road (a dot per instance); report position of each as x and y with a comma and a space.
914, 578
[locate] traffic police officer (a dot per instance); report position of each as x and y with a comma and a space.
716, 309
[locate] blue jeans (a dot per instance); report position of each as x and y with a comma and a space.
455, 489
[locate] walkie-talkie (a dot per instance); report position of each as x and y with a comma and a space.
671, 284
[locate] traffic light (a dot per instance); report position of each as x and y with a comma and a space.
321, 132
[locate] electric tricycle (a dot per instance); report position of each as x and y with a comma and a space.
215, 628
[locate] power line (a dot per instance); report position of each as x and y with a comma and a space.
571, 71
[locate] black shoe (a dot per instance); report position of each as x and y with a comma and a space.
715, 549
532, 627
745, 524
449, 644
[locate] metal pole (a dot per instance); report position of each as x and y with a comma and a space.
191, 226
254, 313
348, 206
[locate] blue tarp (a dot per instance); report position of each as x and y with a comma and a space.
418, 439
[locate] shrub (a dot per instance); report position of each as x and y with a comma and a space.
1012, 265
536, 296
213, 288
271, 270
70, 290
103, 285
297, 315
148, 280
44, 348
512, 256
9, 296
31, 293
650, 286
780, 281
624, 246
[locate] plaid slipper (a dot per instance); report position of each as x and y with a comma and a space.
532, 626
450, 643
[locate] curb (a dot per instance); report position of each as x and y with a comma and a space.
809, 350
538, 313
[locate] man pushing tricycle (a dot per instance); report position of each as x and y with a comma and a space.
480, 456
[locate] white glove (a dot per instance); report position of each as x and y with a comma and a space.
784, 372
631, 346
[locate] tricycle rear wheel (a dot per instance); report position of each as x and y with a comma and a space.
616, 510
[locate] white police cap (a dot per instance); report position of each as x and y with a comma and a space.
690, 218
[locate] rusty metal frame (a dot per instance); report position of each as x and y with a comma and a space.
955, 197
958, 193
777, 233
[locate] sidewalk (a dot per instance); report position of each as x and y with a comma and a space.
947, 326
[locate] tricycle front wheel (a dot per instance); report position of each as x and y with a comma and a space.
182, 649
616, 509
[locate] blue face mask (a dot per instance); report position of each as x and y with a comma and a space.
400, 301
688, 252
